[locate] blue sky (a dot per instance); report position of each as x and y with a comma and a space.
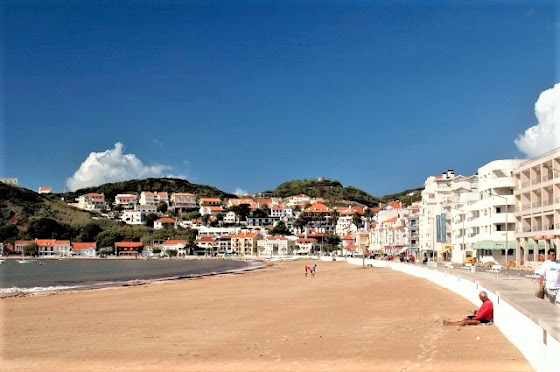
249, 94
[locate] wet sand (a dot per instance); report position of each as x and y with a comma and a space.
273, 319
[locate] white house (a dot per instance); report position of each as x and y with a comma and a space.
92, 202
231, 217
133, 217
306, 246
211, 210
153, 198
44, 190
84, 249
53, 247
127, 201
160, 223
146, 208
174, 245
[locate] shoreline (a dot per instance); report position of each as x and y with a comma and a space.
48, 291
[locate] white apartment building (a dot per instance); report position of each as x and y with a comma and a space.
44, 190
217, 231
275, 246
537, 207
231, 217
92, 202
281, 211
153, 198
483, 219
181, 200
127, 201
440, 195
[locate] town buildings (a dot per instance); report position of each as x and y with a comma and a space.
440, 195
92, 201
537, 207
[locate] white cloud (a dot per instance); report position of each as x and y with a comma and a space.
545, 135
240, 192
112, 166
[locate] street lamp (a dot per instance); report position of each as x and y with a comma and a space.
507, 229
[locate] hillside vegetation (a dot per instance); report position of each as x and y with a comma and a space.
404, 196
169, 185
327, 189
25, 213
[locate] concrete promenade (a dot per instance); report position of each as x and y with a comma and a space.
530, 323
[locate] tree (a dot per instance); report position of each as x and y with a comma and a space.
193, 215
357, 220
107, 239
7, 232
47, 228
280, 229
31, 250
89, 232
103, 252
332, 239
242, 211
150, 218
205, 219
162, 207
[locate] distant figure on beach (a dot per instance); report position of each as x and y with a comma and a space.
425, 259
550, 277
483, 315
307, 268
313, 270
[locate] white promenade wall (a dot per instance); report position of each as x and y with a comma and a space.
537, 340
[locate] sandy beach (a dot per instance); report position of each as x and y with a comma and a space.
273, 319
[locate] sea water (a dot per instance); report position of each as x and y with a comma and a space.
44, 275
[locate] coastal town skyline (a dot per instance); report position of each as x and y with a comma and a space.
343, 91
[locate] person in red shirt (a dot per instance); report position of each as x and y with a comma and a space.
483, 315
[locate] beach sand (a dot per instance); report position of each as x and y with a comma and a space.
274, 319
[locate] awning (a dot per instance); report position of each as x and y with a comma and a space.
403, 250
444, 250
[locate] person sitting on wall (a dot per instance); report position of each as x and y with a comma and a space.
483, 315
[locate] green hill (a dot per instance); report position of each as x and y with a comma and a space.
327, 189
404, 196
169, 185
24, 213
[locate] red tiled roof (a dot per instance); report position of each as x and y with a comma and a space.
318, 208
219, 208
306, 240
348, 237
350, 246
394, 219
245, 235
166, 220
24, 242
207, 200
206, 239
93, 194
77, 246
128, 244
175, 241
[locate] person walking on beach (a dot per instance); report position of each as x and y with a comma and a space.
483, 315
313, 270
550, 277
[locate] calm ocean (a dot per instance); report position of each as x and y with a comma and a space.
73, 273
